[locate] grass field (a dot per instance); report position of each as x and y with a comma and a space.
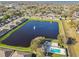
27, 49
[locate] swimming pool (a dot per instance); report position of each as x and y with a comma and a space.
55, 50
23, 36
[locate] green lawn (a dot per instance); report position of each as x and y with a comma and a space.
27, 48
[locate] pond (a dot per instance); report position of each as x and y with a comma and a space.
24, 35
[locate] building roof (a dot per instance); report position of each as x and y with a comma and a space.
54, 44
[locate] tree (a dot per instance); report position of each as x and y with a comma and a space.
18, 13
6, 17
36, 42
71, 41
39, 52
34, 45
60, 40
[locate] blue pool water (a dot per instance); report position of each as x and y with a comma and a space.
55, 51
23, 36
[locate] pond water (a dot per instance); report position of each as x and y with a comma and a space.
23, 36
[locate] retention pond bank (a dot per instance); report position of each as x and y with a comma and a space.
24, 35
